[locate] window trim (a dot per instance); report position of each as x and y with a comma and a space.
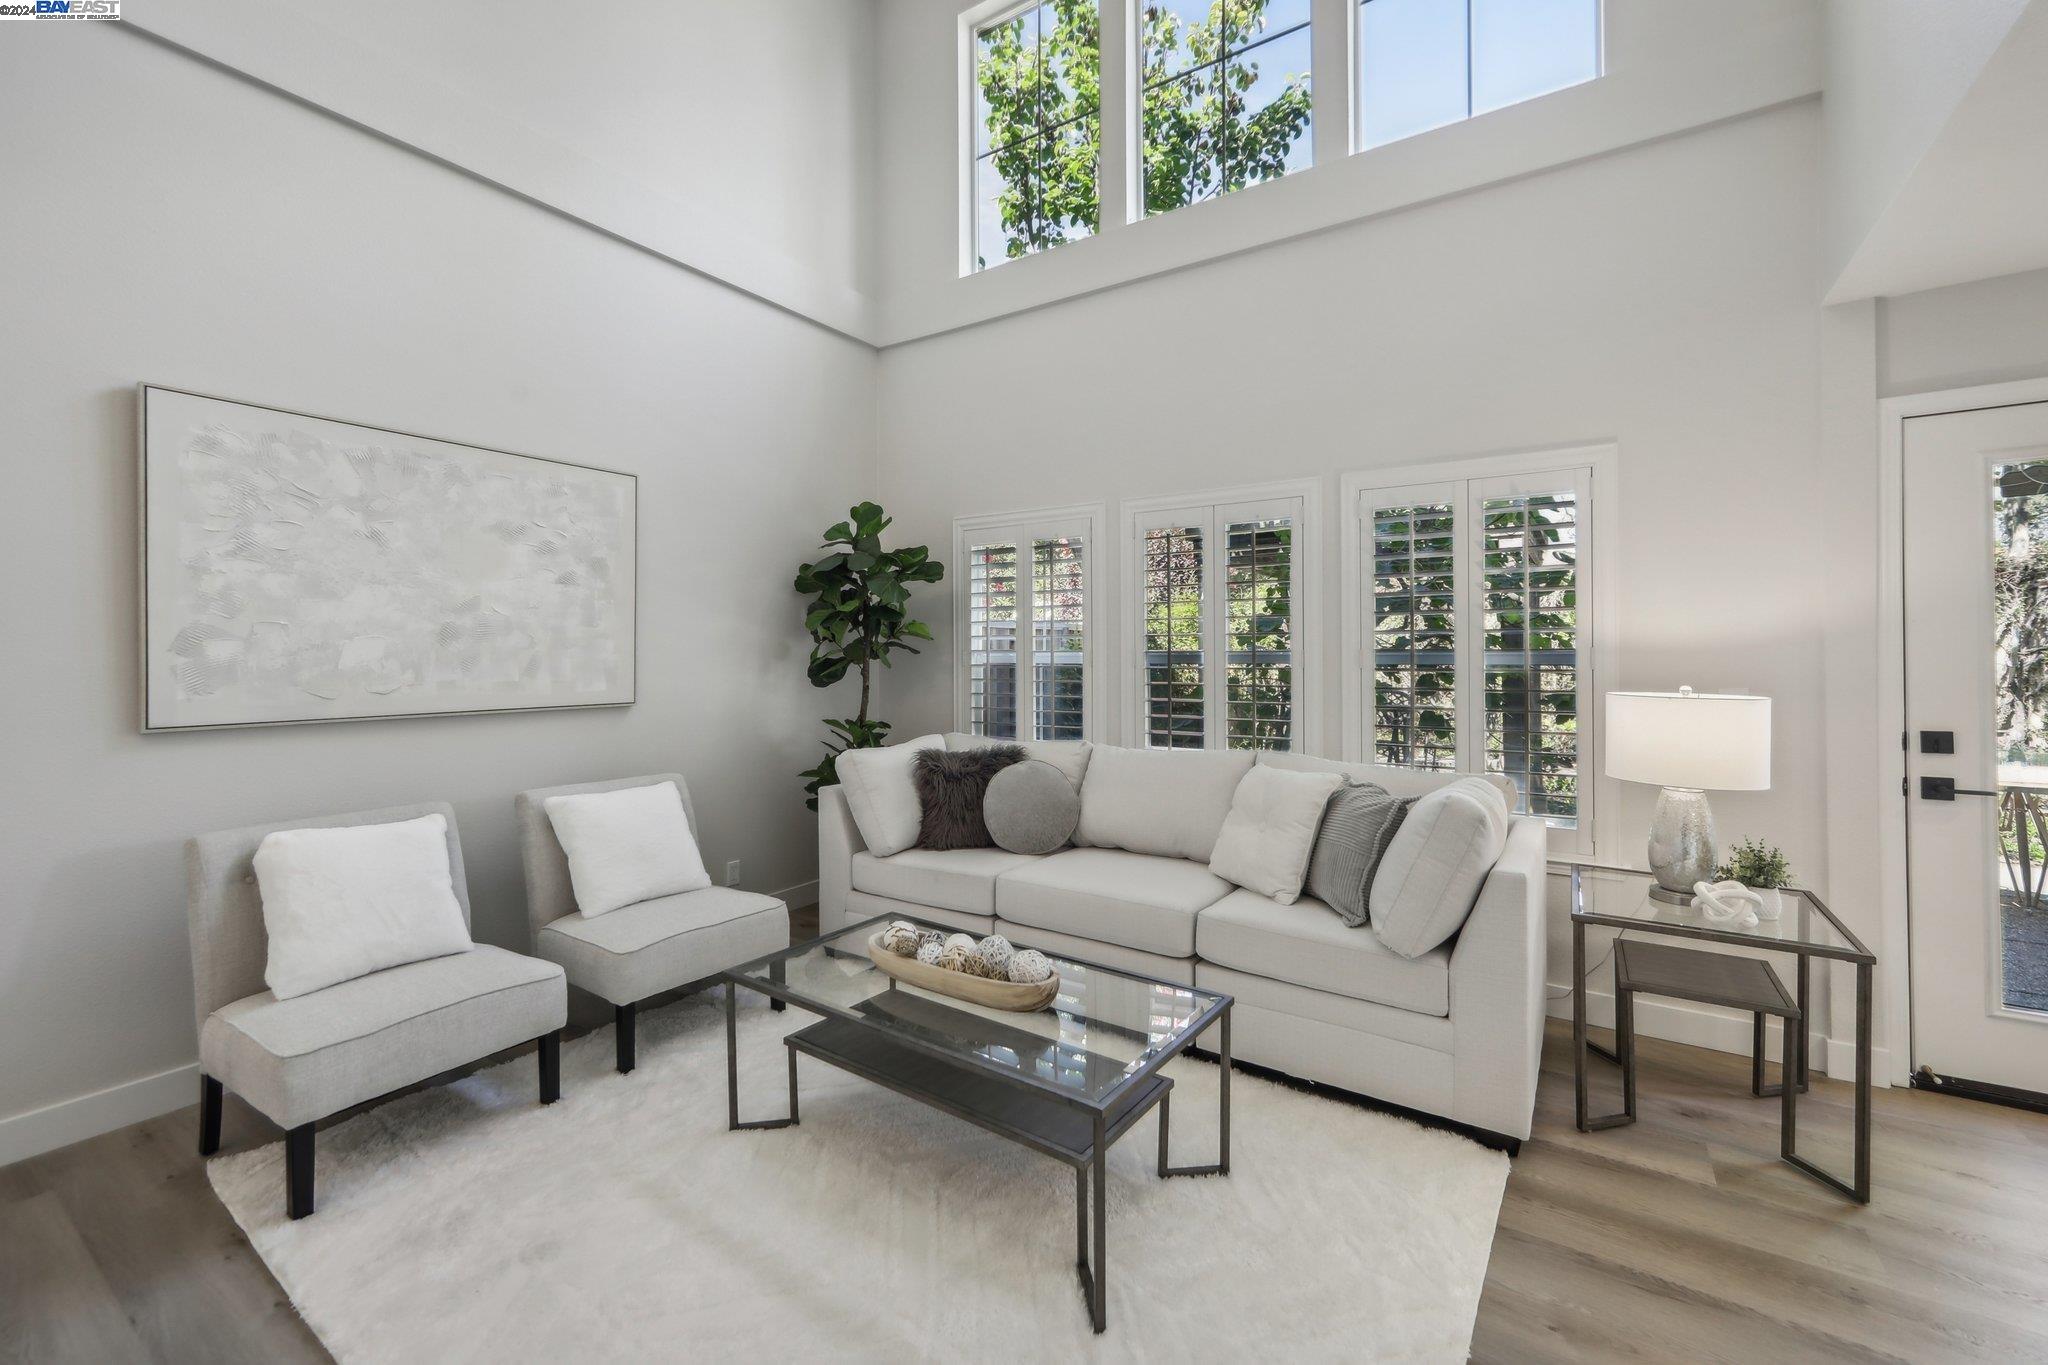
1598, 560
971, 22
1083, 519
1135, 88
1134, 515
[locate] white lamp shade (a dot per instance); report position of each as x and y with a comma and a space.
1690, 739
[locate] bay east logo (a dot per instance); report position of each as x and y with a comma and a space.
62, 9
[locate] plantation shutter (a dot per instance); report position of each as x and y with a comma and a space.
1216, 664
1026, 628
1478, 632
1530, 637
992, 640
1414, 669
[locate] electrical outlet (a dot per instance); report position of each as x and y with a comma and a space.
732, 873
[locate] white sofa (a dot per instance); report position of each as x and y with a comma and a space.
1456, 1032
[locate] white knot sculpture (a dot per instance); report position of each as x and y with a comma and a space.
902, 938
929, 951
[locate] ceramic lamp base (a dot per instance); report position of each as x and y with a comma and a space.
1681, 842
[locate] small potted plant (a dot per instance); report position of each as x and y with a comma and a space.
1761, 867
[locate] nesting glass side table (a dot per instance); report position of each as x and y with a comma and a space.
1619, 898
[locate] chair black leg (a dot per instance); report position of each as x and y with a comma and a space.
209, 1115
624, 1017
551, 1067
298, 1170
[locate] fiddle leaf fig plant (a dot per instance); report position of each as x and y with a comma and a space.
857, 616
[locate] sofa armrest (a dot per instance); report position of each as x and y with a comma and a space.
1498, 987
838, 840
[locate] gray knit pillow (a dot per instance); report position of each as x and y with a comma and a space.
1358, 824
950, 788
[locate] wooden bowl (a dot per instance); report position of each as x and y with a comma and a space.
976, 990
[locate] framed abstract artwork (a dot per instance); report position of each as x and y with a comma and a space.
299, 569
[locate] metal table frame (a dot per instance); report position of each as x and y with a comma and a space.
1109, 1118
1796, 1045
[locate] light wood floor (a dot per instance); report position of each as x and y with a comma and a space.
1682, 1238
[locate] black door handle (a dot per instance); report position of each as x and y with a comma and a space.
1945, 789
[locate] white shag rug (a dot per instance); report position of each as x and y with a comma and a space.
625, 1223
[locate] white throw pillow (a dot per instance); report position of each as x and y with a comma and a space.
882, 794
1169, 802
1271, 831
1432, 871
344, 902
626, 846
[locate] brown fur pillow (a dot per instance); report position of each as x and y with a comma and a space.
950, 788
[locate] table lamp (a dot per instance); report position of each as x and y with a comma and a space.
1688, 743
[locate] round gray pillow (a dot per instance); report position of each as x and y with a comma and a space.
1031, 807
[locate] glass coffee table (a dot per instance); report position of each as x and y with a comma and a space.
1066, 1081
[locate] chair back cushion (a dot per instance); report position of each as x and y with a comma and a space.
1167, 802
343, 903
224, 907
1397, 781
1070, 756
550, 892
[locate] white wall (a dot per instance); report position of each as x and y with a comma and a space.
1981, 333
732, 136
183, 226
1660, 298
1896, 71
1670, 66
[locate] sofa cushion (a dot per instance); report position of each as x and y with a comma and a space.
657, 945
1438, 860
1308, 945
1166, 802
961, 879
881, 795
316, 1054
1134, 899
1399, 781
1265, 842
1070, 756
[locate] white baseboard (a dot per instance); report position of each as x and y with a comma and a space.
1705, 1026
74, 1120
798, 896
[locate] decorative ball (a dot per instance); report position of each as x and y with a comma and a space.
964, 942
953, 957
901, 938
977, 965
1029, 967
925, 936
996, 951
928, 953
